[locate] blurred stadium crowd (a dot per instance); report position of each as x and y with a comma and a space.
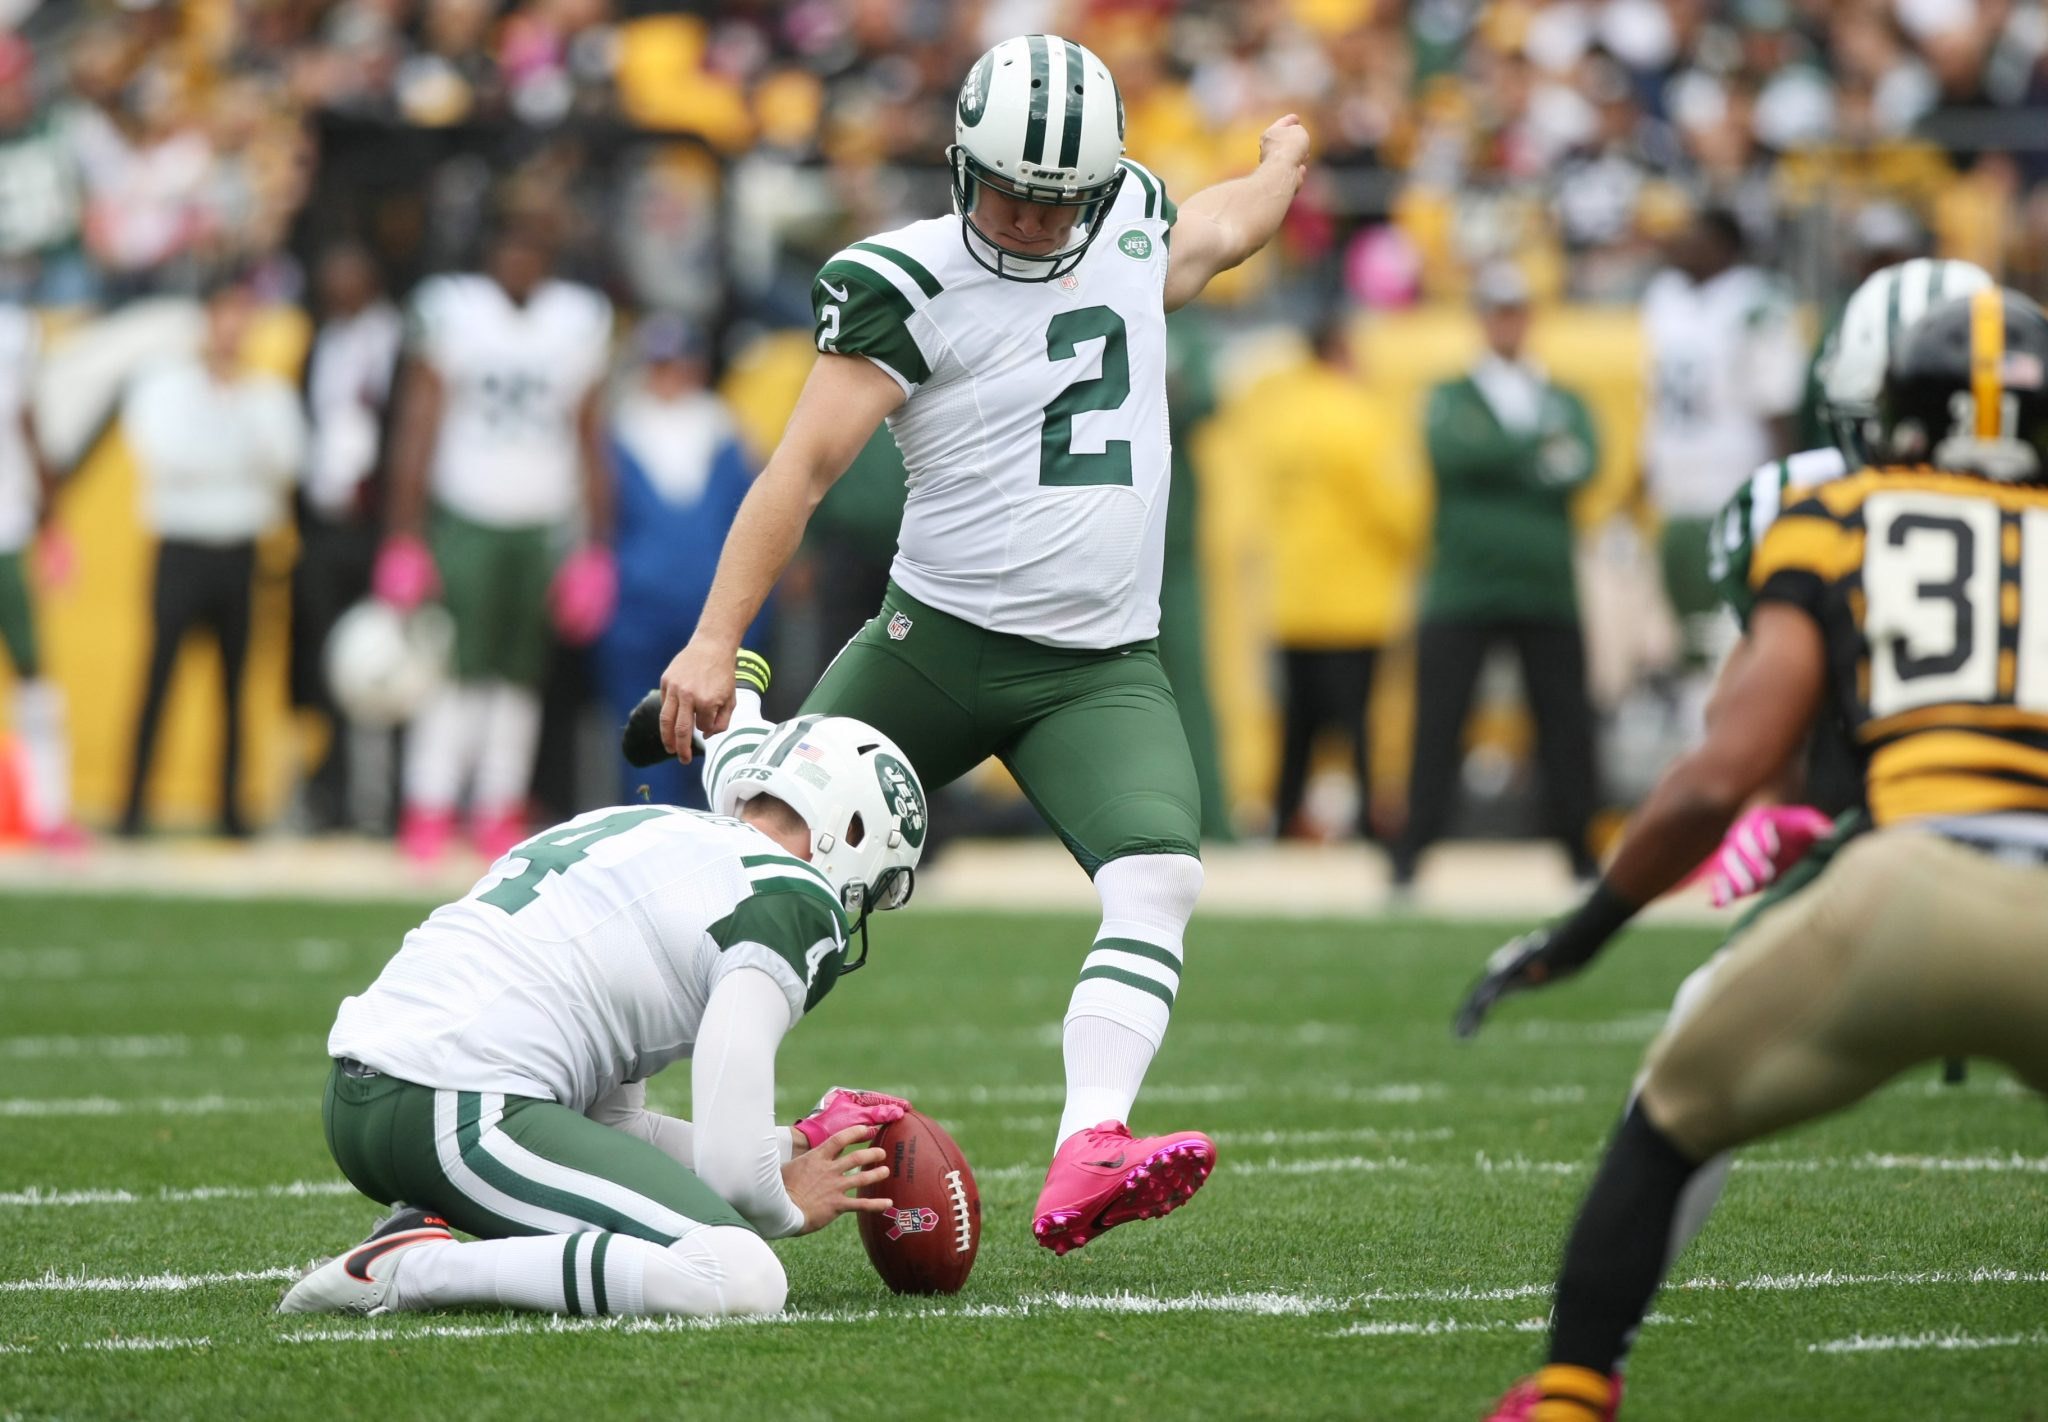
697, 162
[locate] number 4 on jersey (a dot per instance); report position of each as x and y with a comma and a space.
555, 853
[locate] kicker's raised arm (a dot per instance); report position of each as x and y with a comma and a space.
1221, 226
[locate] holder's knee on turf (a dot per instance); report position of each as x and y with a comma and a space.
719, 1272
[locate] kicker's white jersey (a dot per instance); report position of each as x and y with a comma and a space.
1035, 430
584, 958
515, 376
1725, 357
18, 491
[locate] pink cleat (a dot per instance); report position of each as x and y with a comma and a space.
1101, 1178
1574, 1392
423, 835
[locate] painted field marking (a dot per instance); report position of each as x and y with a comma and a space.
1946, 1340
1264, 1302
34, 1198
161, 1106
169, 1283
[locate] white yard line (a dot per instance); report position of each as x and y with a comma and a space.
1273, 1165
161, 1106
55, 1283
34, 1198
1946, 1341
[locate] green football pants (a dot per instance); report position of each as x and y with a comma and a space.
496, 1166
1093, 737
494, 583
17, 618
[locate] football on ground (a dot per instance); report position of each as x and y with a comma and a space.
925, 1242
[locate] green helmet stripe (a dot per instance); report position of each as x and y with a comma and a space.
1937, 272
1070, 135
790, 737
1034, 124
1892, 321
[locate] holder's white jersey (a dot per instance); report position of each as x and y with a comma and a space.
515, 376
1035, 429
584, 958
18, 492
1726, 356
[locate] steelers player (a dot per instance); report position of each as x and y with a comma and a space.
1912, 598
1017, 349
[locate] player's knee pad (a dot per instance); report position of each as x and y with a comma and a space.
743, 1275
1155, 891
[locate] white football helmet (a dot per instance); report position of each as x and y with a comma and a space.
1881, 311
862, 801
1039, 118
382, 664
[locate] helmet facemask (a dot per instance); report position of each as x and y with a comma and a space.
971, 178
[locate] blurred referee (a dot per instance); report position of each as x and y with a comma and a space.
1507, 450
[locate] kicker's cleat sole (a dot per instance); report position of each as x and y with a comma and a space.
1101, 1178
360, 1280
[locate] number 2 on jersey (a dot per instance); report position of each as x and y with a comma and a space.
1060, 465
555, 852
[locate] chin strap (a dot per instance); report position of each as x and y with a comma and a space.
860, 904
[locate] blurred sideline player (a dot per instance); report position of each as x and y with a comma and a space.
498, 433
27, 504
493, 1078
1904, 597
681, 473
1018, 351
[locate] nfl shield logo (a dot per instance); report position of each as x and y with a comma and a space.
922, 1220
899, 627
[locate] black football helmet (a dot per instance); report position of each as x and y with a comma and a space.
1967, 389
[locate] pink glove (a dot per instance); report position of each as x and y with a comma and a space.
56, 557
1760, 846
404, 576
585, 590
842, 1106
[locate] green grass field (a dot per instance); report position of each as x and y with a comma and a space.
1377, 1242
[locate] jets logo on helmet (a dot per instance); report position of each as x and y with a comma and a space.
905, 797
1887, 305
1040, 120
865, 808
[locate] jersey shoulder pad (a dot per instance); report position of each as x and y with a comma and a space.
790, 924
863, 301
1152, 199
1814, 466
584, 304
1816, 540
437, 308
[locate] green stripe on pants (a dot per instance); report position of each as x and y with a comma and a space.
382, 1132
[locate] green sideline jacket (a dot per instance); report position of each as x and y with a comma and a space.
1502, 546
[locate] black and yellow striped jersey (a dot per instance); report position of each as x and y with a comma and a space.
1931, 589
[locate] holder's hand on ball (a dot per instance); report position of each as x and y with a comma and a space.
843, 1106
819, 1180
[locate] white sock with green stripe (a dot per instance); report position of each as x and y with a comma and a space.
1117, 1016
592, 1273
744, 731
714, 1272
